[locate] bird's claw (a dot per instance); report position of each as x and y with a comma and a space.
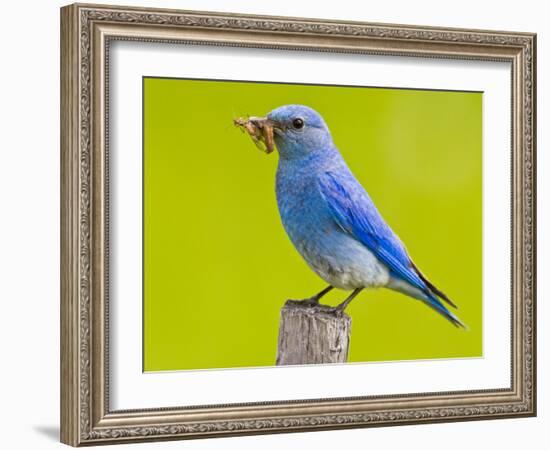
338, 312
311, 302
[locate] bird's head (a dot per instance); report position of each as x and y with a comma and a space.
298, 131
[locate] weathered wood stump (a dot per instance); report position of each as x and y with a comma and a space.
312, 335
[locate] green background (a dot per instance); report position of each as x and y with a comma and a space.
218, 265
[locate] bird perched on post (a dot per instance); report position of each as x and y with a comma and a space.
330, 218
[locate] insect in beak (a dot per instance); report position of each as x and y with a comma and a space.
260, 129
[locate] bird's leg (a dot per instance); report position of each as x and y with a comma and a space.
314, 301
340, 308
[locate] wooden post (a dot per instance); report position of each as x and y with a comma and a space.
312, 335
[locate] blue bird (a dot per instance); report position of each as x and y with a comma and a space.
330, 218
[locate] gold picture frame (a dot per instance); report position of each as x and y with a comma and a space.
86, 33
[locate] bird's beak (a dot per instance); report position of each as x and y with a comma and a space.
261, 130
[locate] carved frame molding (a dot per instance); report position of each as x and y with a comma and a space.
86, 31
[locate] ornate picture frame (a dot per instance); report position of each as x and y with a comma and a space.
87, 31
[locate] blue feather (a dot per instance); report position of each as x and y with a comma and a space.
355, 213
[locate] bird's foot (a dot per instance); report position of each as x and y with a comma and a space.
309, 302
338, 311
335, 311
312, 302
315, 307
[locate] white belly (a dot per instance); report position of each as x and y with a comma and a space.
357, 268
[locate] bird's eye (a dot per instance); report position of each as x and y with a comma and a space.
298, 123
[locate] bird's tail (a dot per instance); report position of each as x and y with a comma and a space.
432, 296
433, 302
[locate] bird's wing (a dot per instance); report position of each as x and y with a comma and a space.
355, 213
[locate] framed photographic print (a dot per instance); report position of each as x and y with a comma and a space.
278, 224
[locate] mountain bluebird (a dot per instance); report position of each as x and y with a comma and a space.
330, 218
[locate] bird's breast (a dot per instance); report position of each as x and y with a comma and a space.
334, 255
301, 206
